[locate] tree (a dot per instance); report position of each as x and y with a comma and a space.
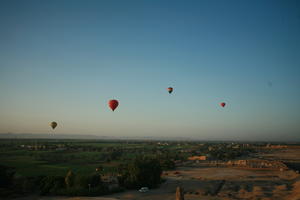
52, 185
69, 179
141, 172
167, 164
179, 193
6, 176
86, 181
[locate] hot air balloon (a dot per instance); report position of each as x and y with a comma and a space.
53, 125
113, 104
270, 84
170, 89
223, 104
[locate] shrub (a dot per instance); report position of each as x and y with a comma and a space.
69, 179
86, 181
52, 185
142, 172
6, 176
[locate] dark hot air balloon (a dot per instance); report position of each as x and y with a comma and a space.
53, 125
170, 89
113, 104
223, 104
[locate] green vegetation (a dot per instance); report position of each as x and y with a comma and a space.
141, 172
84, 167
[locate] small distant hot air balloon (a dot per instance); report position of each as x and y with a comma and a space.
170, 89
270, 84
113, 104
223, 104
53, 125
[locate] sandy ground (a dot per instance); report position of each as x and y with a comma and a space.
215, 173
289, 154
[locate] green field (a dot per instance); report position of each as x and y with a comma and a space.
80, 156
42, 157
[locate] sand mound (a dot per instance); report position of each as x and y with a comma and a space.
295, 194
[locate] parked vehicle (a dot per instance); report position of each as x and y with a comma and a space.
144, 189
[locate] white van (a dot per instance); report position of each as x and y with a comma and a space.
144, 189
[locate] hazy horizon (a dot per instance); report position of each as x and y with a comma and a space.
63, 61
135, 137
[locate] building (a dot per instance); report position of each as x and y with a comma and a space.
197, 158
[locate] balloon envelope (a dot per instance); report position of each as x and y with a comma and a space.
223, 104
53, 125
113, 104
170, 90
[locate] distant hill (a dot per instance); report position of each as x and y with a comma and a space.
82, 136
136, 138
48, 136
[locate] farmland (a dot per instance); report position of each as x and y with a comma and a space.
48, 157
226, 170
44, 157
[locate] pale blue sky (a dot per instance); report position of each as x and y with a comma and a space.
62, 60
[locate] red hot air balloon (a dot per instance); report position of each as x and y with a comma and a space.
170, 90
223, 104
113, 104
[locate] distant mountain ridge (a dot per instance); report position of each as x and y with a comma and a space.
82, 136
47, 136
137, 138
